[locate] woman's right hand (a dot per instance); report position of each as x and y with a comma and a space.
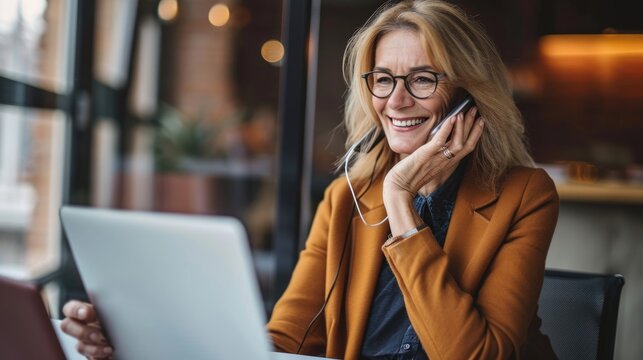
81, 323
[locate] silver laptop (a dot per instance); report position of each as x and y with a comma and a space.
170, 286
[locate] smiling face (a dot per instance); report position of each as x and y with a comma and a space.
407, 121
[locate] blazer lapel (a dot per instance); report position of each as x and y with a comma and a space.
366, 261
465, 237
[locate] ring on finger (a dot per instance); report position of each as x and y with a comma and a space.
447, 153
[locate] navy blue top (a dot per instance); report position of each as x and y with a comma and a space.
389, 334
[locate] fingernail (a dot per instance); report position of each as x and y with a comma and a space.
481, 122
107, 350
82, 313
94, 337
475, 111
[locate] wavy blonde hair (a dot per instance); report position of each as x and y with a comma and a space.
458, 47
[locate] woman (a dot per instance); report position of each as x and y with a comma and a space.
455, 266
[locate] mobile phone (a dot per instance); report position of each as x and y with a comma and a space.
463, 106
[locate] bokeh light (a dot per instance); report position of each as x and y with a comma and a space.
272, 51
168, 9
219, 15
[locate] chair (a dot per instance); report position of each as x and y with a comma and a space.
579, 312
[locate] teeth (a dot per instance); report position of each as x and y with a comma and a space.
407, 123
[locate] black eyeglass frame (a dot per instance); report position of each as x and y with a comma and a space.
438, 77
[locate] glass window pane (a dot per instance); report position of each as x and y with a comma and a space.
211, 149
32, 149
34, 49
34, 42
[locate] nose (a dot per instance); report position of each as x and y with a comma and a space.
400, 97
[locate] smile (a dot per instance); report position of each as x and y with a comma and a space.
407, 122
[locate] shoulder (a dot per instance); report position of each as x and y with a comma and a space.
529, 185
339, 184
524, 177
368, 194
339, 199
337, 188
336, 193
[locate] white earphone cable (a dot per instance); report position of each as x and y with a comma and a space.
350, 186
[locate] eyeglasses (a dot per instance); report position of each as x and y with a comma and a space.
420, 84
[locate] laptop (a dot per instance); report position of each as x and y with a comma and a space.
25, 329
170, 286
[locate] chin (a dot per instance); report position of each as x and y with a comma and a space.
402, 149
405, 143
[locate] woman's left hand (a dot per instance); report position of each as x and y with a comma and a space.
424, 170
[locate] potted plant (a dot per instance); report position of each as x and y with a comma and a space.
177, 138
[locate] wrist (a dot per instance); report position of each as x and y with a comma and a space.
401, 213
392, 193
393, 239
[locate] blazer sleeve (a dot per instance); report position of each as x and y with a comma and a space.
304, 295
491, 324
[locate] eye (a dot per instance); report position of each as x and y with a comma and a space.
383, 79
422, 79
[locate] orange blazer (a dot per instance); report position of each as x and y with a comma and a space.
476, 298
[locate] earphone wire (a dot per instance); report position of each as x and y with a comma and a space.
350, 186
332, 287
341, 257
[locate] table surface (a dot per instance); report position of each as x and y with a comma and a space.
604, 192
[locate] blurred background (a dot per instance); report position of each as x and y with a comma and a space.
219, 107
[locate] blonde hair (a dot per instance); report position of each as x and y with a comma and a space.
461, 49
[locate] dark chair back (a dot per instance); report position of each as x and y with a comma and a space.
579, 312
